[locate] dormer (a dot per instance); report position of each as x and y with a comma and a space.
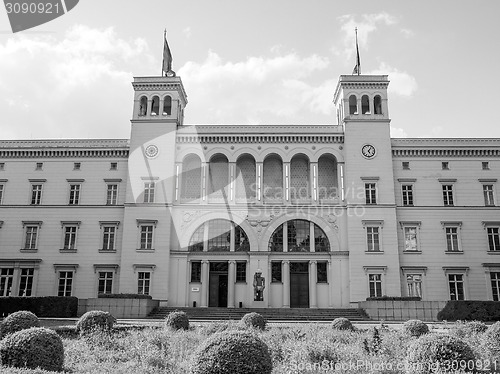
361, 98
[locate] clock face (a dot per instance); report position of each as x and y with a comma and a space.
368, 151
151, 151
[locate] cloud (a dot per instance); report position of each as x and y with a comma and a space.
82, 77
274, 87
402, 83
398, 133
407, 33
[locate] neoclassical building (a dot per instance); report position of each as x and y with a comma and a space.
313, 216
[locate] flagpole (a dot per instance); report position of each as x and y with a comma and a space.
163, 61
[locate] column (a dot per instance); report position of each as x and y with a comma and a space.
311, 237
285, 237
231, 277
178, 171
314, 181
340, 181
286, 284
204, 181
204, 283
313, 276
286, 182
232, 183
258, 180
331, 284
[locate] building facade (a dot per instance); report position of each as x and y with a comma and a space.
285, 216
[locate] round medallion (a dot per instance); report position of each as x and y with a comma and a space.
368, 151
151, 151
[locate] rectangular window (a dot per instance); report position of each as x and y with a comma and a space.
36, 194
112, 194
70, 237
373, 239
371, 193
495, 285
241, 272
74, 194
39, 166
445, 165
489, 199
114, 166
375, 284
407, 191
146, 237
105, 282
31, 237
2, 166
149, 192
26, 282
452, 240
143, 282
276, 271
77, 166
414, 284
6, 280
486, 165
108, 238
195, 271
456, 284
406, 165
493, 238
447, 194
410, 238
322, 273
65, 283
1, 192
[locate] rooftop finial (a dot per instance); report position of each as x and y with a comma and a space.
357, 68
167, 58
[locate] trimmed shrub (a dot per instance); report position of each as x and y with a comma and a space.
18, 321
463, 329
32, 348
432, 353
415, 327
123, 296
394, 298
254, 320
232, 352
177, 320
469, 310
342, 324
492, 341
44, 306
95, 320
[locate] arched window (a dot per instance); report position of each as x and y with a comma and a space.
245, 178
219, 235
218, 177
273, 178
300, 188
167, 105
353, 104
155, 106
143, 106
365, 104
327, 178
191, 178
298, 237
377, 104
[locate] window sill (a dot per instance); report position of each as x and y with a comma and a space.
276, 282
322, 283
493, 252
454, 252
62, 250
375, 252
106, 250
241, 282
413, 252
25, 250
145, 250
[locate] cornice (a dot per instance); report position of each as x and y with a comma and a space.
446, 147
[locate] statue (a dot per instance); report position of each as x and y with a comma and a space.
259, 283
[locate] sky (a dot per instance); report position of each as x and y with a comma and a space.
257, 62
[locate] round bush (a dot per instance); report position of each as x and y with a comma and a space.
342, 324
433, 353
177, 320
463, 329
95, 320
254, 320
415, 327
492, 340
232, 352
32, 348
18, 321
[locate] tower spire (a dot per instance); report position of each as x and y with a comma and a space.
357, 67
167, 58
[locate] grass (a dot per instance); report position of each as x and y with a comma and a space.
297, 349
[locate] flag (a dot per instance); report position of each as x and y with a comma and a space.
357, 68
167, 56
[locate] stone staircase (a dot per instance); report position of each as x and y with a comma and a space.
271, 314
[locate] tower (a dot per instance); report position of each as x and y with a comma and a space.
362, 110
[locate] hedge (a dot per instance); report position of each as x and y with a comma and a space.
46, 306
123, 296
394, 298
470, 310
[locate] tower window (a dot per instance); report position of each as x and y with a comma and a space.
155, 106
486, 165
39, 166
2, 165
377, 104
445, 165
77, 166
406, 165
365, 104
167, 106
114, 166
143, 106
353, 104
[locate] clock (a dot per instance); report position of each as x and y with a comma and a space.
151, 151
368, 151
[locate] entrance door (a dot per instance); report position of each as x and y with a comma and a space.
217, 288
299, 285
